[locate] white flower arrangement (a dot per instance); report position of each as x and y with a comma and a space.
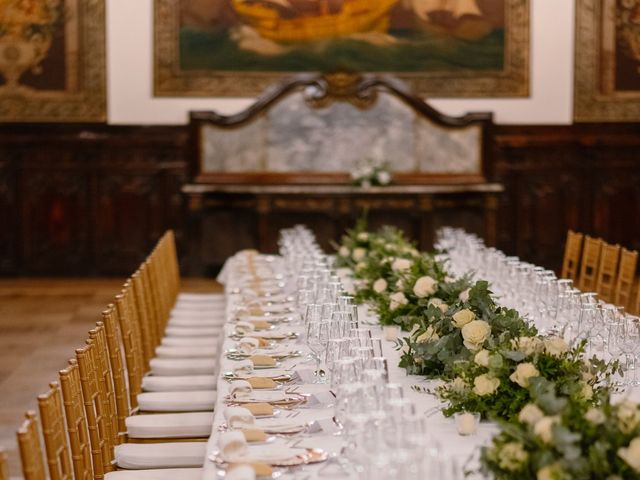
370, 172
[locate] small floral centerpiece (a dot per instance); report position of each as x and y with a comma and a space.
371, 173
561, 439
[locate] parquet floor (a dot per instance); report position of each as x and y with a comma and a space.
42, 322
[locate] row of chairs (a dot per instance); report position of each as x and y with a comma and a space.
597, 266
135, 402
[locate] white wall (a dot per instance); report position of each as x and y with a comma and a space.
130, 72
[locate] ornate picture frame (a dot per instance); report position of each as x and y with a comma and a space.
511, 80
607, 61
53, 62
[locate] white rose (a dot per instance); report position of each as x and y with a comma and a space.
461, 318
482, 358
380, 285
383, 177
363, 236
512, 457
555, 346
475, 333
358, 254
401, 264
397, 299
429, 335
400, 284
544, 428
389, 246
595, 416
360, 266
551, 472
530, 414
424, 286
343, 251
628, 416
443, 307
522, 374
464, 296
435, 301
485, 385
631, 454
528, 345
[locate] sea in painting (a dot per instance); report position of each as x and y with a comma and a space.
353, 35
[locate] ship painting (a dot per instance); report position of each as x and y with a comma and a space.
330, 35
305, 20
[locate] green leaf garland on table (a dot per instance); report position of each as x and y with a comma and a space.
548, 398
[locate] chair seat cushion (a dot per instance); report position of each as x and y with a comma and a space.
156, 474
134, 456
170, 425
179, 384
163, 351
182, 366
184, 401
190, 341
208, 331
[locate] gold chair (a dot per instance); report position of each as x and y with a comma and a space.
4, 465
55, 438
31, 449
98, 420
572, 251
626, 276
589, 264
607, 270
77, 430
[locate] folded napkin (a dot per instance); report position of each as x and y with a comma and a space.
261, 383
241, 472
260, 324
238, 417
243, 367
233, 445
254, 435
248, 345
262, 361
240, 387
244, 328
260, 409
260, 469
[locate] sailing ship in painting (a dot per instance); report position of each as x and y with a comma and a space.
309, 20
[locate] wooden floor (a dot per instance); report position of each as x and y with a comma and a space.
41, 323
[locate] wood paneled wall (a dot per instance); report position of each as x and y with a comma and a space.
92, 199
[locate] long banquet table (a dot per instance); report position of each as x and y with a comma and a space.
440, 428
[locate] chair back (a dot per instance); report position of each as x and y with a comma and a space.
572, 251
589, 264
82, 455
55, 436
626, 277
607, 270
31, 449
112, 335
98, 419
4, 465
132, 350
105, 379
148, 324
